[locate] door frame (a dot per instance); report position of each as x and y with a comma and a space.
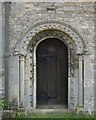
35, 74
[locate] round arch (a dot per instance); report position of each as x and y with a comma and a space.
74, 42
21, 46
72, 59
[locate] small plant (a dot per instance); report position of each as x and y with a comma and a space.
18, 114
5, 104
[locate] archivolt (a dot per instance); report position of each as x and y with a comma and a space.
65, 30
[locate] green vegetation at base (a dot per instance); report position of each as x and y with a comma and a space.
50, 116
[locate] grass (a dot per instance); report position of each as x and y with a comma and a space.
51, 115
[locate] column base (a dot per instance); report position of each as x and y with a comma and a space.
80, 109
21, 105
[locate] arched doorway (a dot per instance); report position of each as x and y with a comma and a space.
52, 74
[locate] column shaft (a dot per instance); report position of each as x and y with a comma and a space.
21, 81
80, 81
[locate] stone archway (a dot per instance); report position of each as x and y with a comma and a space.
76, 47
73, 60
71, 52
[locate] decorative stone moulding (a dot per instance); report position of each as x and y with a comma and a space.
22, 45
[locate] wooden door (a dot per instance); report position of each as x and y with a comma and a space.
52, 73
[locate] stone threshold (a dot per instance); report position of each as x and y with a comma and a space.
57, 111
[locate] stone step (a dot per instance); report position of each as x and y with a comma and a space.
57, 111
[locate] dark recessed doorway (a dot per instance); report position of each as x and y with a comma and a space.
52, 74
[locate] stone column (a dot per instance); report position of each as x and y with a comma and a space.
21, 81
80, 81
34, 86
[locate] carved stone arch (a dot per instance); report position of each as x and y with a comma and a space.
44, 35
75, 44
21, 46
72, 60
52, 33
